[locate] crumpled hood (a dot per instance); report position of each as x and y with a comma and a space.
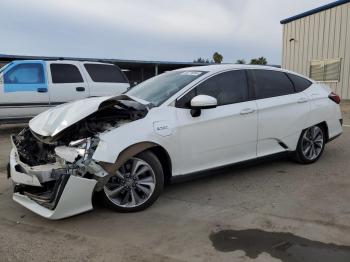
55, 120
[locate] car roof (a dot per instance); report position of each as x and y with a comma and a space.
212, 69
84, 62
223, 67
60, 61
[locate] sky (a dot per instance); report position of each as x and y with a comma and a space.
161, 30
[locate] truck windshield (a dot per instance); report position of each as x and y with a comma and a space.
160, 88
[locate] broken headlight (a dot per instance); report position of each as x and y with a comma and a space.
80, 149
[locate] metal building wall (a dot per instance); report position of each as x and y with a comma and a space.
324, 35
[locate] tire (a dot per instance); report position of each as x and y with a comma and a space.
135, 190
310, 145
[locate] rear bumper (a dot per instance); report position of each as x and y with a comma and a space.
335, 128
339, 132
70, 195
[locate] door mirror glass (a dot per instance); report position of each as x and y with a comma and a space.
203, 102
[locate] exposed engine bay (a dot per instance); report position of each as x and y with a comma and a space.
69, 153
34, 149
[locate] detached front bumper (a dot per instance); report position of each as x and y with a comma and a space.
70, 195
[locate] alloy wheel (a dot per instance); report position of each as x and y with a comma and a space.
132, 185
312, 142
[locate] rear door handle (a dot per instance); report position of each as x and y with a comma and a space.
80, 89
302, 100
247, 111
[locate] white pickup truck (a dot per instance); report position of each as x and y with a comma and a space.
29, 87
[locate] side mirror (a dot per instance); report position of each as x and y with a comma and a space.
202, 102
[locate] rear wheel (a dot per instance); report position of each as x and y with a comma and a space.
136, 185
311, 145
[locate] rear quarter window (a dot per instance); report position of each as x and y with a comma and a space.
105, 73
300, 83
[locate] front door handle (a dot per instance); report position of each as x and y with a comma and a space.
302, 100
247, 111
41, 89
80, 89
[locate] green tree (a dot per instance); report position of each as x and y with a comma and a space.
240, 61
201, 60
258, 61
217, 58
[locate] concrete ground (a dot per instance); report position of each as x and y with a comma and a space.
310, 201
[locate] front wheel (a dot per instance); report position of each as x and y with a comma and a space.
311, 145
136, 185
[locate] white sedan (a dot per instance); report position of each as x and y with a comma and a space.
182, 122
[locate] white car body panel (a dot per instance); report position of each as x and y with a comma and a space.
323, 109
126, 136
207, 141
220, 136
281, 119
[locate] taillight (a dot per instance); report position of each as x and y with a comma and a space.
334, 97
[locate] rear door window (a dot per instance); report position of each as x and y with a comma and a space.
65, 73
105, 73
269, 83
300, 83
28, 73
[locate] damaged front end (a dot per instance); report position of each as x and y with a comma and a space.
56, 177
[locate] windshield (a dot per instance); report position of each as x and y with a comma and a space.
160, 88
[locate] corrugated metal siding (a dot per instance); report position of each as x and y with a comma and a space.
324, 35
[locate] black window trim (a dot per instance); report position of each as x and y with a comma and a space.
250, 90
251, 87
295, 90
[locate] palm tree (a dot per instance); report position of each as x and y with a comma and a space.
240, 61
217, 58
258, 61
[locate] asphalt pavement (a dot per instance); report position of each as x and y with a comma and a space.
197, 220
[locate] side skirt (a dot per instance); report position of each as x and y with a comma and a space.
19, 120
225, 168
